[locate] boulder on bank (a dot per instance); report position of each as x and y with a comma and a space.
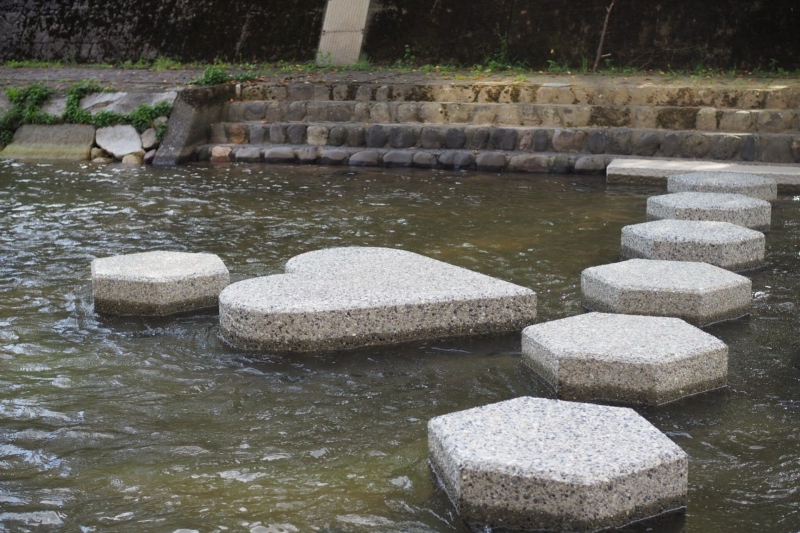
119, 140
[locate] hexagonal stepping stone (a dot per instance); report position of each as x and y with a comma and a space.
720, 207
751, 185
625, 358
157, 283
721, 244
533, 464
699, 293
347, 297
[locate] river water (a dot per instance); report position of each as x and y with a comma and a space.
132, 424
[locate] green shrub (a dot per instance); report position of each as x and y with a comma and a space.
212, 76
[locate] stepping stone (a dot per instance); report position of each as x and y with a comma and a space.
655, 171
699, 293
760, 187
734, 208
348, 297
538, 464
625, 358
157, 283
721, 244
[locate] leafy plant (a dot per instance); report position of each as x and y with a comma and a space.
213, 75
25, 108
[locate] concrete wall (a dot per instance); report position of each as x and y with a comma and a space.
658, 33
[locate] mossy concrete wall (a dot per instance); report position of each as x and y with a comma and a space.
681, 34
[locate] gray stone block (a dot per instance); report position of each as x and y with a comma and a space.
752, 185
734, 208
455, 139
355, 136
541, 141
337, 136
402, 136
491, 161
749, 148
307, 156
282, 154
424, 160
157, 283
254, 111
625, 358
333, 157
699, 293
296, 133
478, 138
671, 144
648, 144
347, 297
377, 137
726, 147
431, 138
365, 158
721, 244
248, 154
538, 464
317, 135
597, 142
277, 134
534, 164
591, 164
620, 141
562, 164
257, 134
398, 158
297, 111
503, 139
696, 146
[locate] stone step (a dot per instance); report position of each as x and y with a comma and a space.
509, 114
657, 171
466, 92
773, 148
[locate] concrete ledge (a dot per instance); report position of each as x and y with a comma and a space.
536, 464
348, 297
625, 358
719, 207
656, 171
71, 142
698, 293
720, 244
157, 283
761, 187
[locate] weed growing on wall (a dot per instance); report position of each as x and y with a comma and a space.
26, 106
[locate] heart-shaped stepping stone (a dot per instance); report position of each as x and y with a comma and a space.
347, 297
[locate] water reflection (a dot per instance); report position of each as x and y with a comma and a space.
146, 424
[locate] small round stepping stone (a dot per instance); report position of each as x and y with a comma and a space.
721, 244
720, 207
625, 358
157, 283
699, 293
539, 464
347, 297
751, 185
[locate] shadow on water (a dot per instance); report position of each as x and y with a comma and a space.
156, 424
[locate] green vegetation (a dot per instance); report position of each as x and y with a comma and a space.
215, 75
26, 108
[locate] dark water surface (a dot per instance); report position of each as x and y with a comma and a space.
129, 425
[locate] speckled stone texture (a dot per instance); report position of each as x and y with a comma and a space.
699, 293
625, 358
720, 207
347, 297
721, 244
751, 185
538, 464
157, 283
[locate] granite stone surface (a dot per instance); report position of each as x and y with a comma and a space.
157, 283
699, 293
761, 187
720, 207
721, 244
342, 298
625, 358
539, 464
657, 172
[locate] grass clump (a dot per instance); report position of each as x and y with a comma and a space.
26, 103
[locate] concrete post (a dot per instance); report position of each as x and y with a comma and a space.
343, 32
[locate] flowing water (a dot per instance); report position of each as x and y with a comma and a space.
144, 424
